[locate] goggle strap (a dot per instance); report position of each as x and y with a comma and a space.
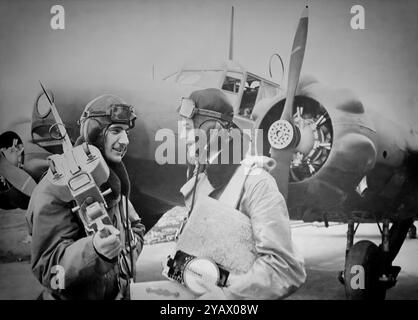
109, 113
95, 114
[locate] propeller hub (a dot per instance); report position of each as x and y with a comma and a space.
282, 134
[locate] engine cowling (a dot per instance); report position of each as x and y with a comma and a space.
337, 144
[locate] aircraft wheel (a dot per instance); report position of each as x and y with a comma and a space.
362, 272
412, 233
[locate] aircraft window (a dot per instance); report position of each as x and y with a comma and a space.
268, 91
200, 78
231, 84
254, 85
249, 97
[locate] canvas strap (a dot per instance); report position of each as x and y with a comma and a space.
234, 189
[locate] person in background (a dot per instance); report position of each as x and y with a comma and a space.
16, 185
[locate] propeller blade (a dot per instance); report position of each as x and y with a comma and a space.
295, 65
284, 156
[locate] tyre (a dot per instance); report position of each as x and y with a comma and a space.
362, 271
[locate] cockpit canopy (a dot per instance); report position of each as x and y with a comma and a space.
243, 89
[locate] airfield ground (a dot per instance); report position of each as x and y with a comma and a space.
323, 249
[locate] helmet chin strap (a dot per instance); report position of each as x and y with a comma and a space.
124, 151
212, 158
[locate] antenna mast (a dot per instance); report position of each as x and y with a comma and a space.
231, 37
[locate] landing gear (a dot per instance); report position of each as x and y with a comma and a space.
368, 270
362, 272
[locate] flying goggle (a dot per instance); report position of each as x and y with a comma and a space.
118, 113
188, 110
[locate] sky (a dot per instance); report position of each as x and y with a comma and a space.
111, 38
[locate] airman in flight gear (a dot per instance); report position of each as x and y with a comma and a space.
277, 270
95, 266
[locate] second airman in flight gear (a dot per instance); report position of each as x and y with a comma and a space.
278, 270
96, 266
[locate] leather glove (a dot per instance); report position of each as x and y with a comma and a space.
106, 242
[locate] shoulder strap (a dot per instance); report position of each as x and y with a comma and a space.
234, 189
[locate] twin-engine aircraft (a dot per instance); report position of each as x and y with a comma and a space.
337, 159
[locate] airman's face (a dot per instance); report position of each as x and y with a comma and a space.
187, 133
116, 142
202, 143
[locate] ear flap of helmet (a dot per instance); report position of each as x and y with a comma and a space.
92, 132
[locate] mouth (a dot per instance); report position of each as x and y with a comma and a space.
120, 149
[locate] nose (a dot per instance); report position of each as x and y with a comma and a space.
123, 139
